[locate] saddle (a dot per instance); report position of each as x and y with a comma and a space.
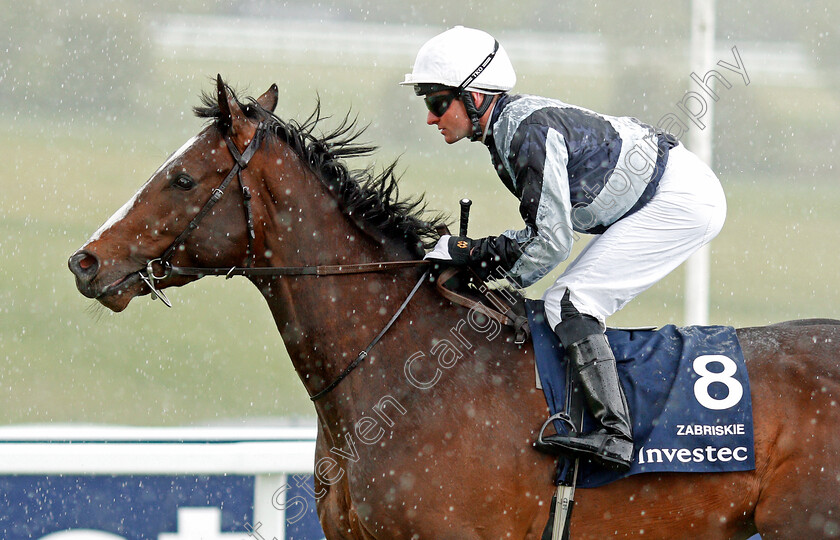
503, 304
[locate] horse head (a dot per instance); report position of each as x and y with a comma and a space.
171, 219
251, 190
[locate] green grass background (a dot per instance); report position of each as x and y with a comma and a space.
216, 356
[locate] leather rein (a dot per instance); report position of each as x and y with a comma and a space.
150, 277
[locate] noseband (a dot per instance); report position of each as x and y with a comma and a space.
149, 276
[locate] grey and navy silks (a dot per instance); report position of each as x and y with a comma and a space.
688, 393
573, 170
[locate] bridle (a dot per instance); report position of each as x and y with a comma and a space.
150, 277
241, 161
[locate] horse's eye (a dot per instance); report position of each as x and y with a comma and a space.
183, 182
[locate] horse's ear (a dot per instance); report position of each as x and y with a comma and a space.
230, 115
268, 101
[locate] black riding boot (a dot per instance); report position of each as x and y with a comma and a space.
611, 444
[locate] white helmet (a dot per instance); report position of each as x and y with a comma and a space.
451, 58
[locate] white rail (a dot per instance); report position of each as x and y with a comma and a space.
344, 42
34, 458
136, 450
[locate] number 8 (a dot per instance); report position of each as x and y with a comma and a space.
701, 386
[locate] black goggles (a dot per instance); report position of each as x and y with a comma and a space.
438, 104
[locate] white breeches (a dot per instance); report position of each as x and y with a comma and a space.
687, 212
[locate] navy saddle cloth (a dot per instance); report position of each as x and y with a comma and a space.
688, 393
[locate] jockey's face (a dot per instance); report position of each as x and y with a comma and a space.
454, 124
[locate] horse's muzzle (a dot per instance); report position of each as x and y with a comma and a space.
85, 266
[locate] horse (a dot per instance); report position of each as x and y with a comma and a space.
427, 413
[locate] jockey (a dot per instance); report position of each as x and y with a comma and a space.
649, 202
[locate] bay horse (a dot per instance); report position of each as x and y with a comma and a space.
431, 435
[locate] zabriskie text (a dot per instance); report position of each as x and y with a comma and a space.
703, 429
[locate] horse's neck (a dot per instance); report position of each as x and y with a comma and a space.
326, 321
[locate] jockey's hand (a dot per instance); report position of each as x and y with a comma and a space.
451, 250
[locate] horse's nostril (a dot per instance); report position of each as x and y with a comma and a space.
84, 265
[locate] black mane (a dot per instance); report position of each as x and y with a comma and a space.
371, 200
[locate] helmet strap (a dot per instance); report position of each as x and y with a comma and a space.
475, 113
